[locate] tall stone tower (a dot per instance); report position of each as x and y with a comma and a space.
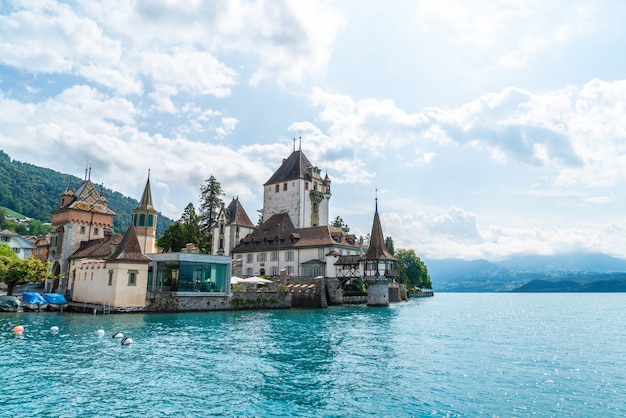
378, 266
145, 221
82, 215
298, 189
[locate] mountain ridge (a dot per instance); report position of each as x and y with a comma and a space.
456, 275
34, 192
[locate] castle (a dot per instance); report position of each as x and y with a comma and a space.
294, 240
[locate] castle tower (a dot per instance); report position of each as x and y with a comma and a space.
298, 189
378, 266
232, 224
82, 215
145, 221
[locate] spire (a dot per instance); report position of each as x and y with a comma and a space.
69, 190
377, 249
146, 197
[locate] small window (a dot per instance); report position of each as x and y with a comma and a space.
110, 277
249, 258
221, 243
95, 231
274, 256
290, 270
132, 277
284, 187
277, 189
142, 219
274, 271
289, 256
306, 186
249, 271
82, 229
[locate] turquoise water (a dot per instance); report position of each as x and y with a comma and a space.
451, 355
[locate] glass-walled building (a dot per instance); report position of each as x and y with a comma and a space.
187, 272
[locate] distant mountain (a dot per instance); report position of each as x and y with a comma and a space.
575, 272
617, 284
35, 191
599, 263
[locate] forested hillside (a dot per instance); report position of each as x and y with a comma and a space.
34, 191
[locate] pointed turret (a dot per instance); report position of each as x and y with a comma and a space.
378, 266
146, 197
145, 220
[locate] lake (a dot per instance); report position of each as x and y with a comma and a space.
456, 354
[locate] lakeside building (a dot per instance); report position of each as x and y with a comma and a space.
18, 244
82, 215
295, 235
123, 271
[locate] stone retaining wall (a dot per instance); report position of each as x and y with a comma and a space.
182, 302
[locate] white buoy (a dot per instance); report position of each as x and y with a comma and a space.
100, 333
127, 341
54, 328
118, 335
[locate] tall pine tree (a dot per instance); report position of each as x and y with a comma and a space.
210, 205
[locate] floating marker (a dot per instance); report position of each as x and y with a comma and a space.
127, 341
118, 335
54, 328
18, 330
100, 333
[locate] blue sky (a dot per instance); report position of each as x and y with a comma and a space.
489, 128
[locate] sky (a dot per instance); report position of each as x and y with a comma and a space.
485, 129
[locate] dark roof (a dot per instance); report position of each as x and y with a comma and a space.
236, 215
129, 249
295, 167
112, 248
377, 249
348, 260
98, 248
278, 233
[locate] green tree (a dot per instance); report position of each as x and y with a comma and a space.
339, 223
191, 227
185, 231
15, 271
389, 245
210, 205
173, 239
412, 271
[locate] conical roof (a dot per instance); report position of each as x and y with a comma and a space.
377, 249
146, 197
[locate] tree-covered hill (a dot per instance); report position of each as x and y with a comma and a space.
35, 191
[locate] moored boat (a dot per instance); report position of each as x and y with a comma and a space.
10, 304
56, 301
33, 301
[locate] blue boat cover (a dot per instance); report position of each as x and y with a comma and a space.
55, 298
33, 298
